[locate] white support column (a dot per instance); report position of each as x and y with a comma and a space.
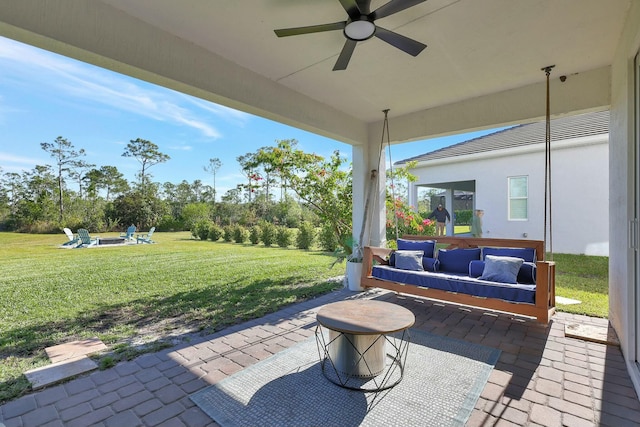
365, 160
449, 207
412, 197
378, 217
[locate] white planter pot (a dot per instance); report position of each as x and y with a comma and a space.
354, 272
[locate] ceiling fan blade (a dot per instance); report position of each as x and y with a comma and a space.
365, 6
410, 46
394, 6
285, 32
352, 8
345, 55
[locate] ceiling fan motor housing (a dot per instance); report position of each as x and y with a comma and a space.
360, 30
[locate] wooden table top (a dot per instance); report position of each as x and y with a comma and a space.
365, 317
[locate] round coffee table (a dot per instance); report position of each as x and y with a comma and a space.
354, 347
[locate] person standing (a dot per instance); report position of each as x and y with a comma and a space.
476, 223
442, 218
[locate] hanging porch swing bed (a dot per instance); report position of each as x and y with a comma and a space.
457, 273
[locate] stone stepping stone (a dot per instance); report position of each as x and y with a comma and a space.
566, 301
73, 349
50, 374
604, 334
67, 360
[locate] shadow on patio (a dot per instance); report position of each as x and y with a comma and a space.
541, 378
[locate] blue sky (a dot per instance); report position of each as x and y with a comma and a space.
44, 95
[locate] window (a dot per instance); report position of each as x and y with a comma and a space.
518, 197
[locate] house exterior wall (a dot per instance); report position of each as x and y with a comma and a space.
623, 298
579, 192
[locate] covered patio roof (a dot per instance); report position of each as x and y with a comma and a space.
481, 69
482, 66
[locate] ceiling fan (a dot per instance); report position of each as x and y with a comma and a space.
361, 26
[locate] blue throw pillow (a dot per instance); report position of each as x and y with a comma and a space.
501, 269
409, 260
457, 260
527, 254
476, 267
430, 264
427, 246
527, 273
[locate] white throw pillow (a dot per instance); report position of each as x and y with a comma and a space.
503, 269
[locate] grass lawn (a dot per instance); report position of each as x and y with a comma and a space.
135, 294
583, 278
141, 298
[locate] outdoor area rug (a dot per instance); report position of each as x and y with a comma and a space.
443, 379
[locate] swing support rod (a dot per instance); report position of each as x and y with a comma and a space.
547, 170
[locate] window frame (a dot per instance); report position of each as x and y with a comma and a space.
511, 198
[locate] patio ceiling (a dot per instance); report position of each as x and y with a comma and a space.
482, 66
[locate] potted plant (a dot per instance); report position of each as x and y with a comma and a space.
354, 270
352, 254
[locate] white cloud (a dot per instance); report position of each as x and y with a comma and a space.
5, 110
181, 148
231, 177
19, 164
10, 158
88, 83
226, 113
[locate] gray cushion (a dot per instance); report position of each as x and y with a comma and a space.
409, 260
503, 269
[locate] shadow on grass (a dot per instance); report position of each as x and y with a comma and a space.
211, 308
205, 310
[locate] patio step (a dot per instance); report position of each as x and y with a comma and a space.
50, 374
603, 334
73, 349
68, 360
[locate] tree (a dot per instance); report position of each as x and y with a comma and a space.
140, 209
196, 187
284, 148
66, 158
37, 203
249, 166
79, 174
13, 187
194, 213
214, 165
147, 153
106, 178
321, 184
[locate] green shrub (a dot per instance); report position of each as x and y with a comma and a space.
240, 234
215, 233
254, 234
168, 223
201, 230
268, 233
227, 233
284, 236
306, 235
327, 239
463, 217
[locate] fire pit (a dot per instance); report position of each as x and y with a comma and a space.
110, 241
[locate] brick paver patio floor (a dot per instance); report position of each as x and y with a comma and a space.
541, 379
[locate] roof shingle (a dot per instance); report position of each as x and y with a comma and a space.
570, 127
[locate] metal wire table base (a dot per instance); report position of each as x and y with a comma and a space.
362, 372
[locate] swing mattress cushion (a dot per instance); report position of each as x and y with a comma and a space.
459, 283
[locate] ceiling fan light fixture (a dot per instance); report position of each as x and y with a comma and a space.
360, 30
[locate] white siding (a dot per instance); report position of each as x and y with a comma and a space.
622, 295
579, 193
